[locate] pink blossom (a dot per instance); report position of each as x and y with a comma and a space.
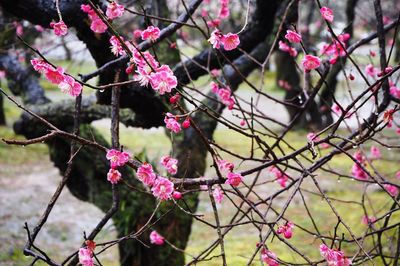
375, 152
286, 48
70, 86
224, 94
39, 28
98, 26
171, 123
216, 39
286, 230
151, 33
393, 190
55, 76
293, 36
114, 10
116, 46
114, 176
40, 65
170, 164
177, 195
394, 91
310, 62
137, 34
368, 220
242, 123
233, 179
357, 171
284, 84
218, 195
230, 41
156, 238
186, 123
213, 23
162, 188
312, 137
224, 11
146, 174
281, 177
225, 166
59, 28
397, 175
334, 257
327, 14
85, 257
163, 80
269, 257
19, 29
371, 70
215, 73
117, 158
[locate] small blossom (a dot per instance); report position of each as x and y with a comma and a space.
234, 179
91, 245
375, 152
60, 29
213, 23
177, 195
70, 86
286, 48
162, 188
225, 166
334, 257
116, 46
393, 190
224, 11
85, 257
170, 164
224, 94
163, 80
357, 171
394, 91
55, 76
327, 14
216, 39
368, 220
293, 36
311, 62
137, 34
98, 26
146, 174
269, 257
230, 41
186, 123
114, 176
286, 230
171, 123
40, 65
371, 70
151, 33
218, 195
114, 10
117, 158
156, 238
281, 177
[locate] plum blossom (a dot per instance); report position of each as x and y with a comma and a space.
213, 23
224, 11
375, 152
334, 257
216, 39
186, 123
357, 171
230, 41
286, 230
269, 257
394, 91
371, 70
170, 164
171, 123
114, 10
177, 195
116, 46
60, 29
163, 80
368, 220
327, 14
70, 86
393, 190
224, 94
85, 257
388, 117
286, 48
218, 195
117, 158
151, 33
225, 166
40, 65
54, 75
156, 238
233, 179
162, 188
280, 176
293, 36
336, 48
310, 62
114, 176
96, 25
146, 174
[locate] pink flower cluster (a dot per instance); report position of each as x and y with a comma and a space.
218, 195
327, 14
334, 257
224, 95
286, 48
117, 159
336, 48
230, 40
96, 24
114, 10
85, 257
170, 164
172, 123
280, 176
310, 62
151, 33
356, 170
156, 238
286, 230
59, 28
225, 167
66, 83
161, 187
269, 257
224, 11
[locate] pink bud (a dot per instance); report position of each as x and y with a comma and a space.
351, 77
174, 99
186, 123
177, 195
